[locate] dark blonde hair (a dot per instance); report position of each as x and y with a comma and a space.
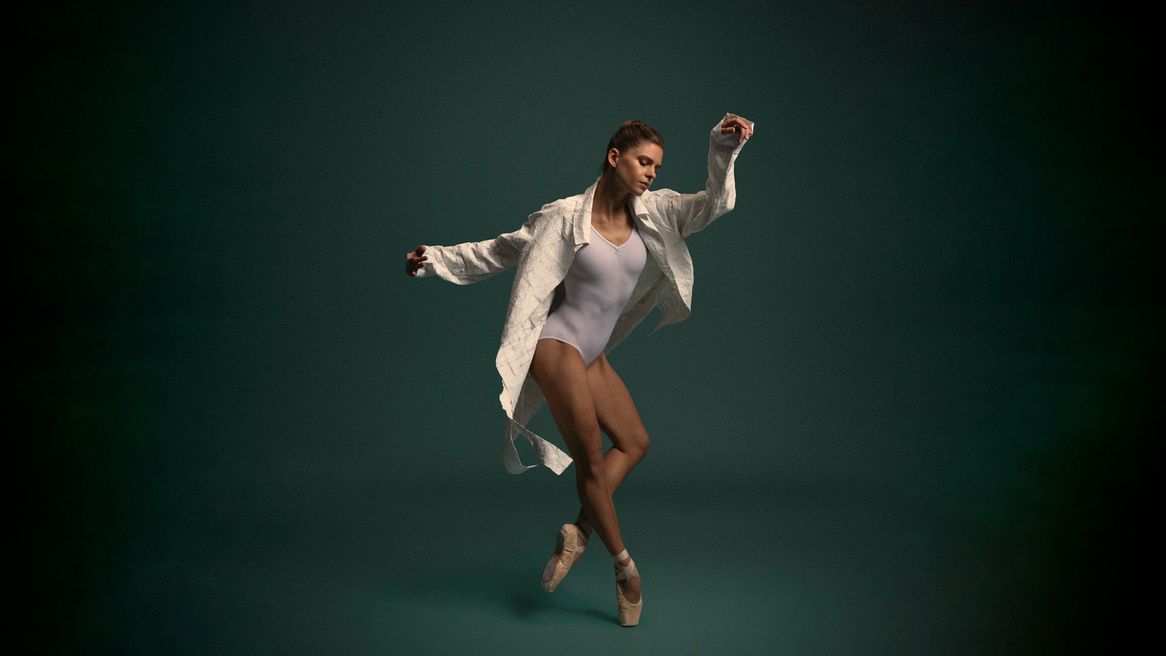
629, 135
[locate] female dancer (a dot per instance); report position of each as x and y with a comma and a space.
589, 268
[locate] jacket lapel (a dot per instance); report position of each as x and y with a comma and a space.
581, 221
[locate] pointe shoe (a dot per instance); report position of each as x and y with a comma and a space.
629, 613
570, 546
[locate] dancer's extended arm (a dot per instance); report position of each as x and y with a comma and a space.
472, 261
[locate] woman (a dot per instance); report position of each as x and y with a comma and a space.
589, 268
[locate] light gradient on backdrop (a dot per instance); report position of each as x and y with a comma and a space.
915, 345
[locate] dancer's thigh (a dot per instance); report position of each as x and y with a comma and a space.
558, 369
614, 408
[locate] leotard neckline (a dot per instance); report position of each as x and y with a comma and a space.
625, 242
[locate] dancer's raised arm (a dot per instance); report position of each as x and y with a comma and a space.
691, 213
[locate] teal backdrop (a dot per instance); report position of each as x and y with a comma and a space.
909, 414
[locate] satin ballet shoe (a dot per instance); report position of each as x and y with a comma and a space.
629, 613
569, 547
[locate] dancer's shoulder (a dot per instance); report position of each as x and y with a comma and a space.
563, 206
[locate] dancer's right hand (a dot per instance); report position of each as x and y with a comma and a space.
414, 260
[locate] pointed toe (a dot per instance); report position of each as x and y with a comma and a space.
569, 547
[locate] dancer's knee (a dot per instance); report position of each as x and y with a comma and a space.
638, 448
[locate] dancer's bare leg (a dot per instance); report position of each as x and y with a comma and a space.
558, 369
619, 418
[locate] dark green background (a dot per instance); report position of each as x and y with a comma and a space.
909, 414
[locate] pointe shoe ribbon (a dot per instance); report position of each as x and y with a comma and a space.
629, 613
569, 547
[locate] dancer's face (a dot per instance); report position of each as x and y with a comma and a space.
635, 170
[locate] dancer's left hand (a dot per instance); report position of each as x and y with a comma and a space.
739, 124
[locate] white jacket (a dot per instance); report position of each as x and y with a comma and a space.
543, 250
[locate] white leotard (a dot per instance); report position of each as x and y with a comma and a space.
598, 284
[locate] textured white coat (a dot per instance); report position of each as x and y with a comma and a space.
543, 250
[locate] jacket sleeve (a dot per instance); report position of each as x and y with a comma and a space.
691, 213
474, 261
